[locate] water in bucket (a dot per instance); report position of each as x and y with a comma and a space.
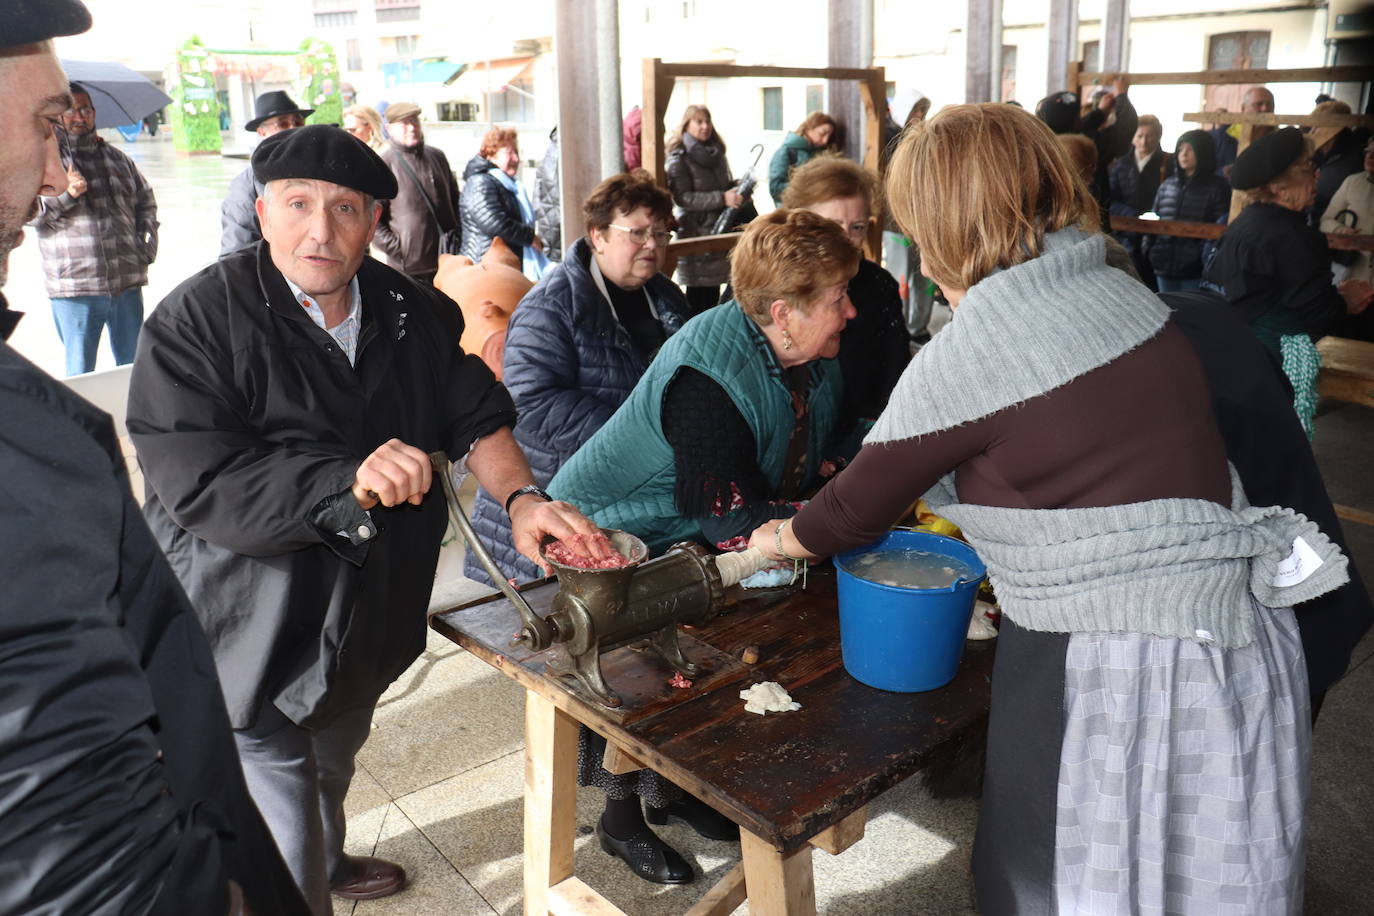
905, 604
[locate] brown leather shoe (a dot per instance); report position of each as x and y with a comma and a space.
369, 878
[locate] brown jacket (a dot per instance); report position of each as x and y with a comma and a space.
406, 233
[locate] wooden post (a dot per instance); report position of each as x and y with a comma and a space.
579, 143
777, 884
978, 75
873, 91
550, 799
1063, 44
658, 89
851, 45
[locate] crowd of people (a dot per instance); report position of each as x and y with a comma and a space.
1134, 472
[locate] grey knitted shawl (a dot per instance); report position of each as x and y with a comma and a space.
1186, 568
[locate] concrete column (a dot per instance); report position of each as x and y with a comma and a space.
579, 150
608, 85
1116, 25
995, 53
1063, 44
978, 74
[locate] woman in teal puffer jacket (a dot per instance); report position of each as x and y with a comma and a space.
811, 138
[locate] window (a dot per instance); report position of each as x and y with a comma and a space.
400, 46
815, 98
397, 10
512, 104
1233, 51
1092, 56
772, 108
353, 50
1008, 73
333, 20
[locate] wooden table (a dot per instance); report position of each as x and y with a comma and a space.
791, 780
1347, 372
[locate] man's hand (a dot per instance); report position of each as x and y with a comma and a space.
395, 473
733, 199
532, 519
76, 182
1357, 295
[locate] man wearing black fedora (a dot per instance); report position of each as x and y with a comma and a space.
273, 112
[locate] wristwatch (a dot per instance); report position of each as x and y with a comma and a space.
527, 488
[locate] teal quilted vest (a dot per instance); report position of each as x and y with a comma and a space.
623, 476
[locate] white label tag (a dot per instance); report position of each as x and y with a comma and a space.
1298, 565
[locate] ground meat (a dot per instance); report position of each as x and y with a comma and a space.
576, 554
679, 681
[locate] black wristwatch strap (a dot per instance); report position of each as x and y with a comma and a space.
527, 488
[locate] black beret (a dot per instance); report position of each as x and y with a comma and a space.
1266, 158
325, 153
1060, 111
23, 22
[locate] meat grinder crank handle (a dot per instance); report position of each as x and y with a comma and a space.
536, 630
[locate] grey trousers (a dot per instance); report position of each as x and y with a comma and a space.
298, 777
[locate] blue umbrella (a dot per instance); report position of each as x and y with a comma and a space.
120, 95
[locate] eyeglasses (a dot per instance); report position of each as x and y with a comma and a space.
85, 111
64, 146
641, 235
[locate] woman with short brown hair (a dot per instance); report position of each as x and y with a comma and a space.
730, 425
1149, 719
494, 203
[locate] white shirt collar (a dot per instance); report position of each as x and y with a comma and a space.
354, 293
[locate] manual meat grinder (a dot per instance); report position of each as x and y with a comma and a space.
597, 610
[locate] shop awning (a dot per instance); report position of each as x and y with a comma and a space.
477, 79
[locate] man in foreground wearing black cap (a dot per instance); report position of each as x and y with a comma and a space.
273, 112
283, 403
119, 789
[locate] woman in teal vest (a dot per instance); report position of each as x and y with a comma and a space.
731, 425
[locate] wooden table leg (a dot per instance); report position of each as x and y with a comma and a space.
777, 884
550, 799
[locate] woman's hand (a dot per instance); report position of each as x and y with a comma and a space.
765, 539
733, 199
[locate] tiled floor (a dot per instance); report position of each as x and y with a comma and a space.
440, 789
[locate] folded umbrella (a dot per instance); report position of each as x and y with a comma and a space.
120, 95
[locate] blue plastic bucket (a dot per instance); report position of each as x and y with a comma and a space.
906, 639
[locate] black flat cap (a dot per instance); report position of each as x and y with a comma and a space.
1266, 158
271, 104
23, 22
325, 153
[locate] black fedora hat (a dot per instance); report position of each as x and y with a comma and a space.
270, 104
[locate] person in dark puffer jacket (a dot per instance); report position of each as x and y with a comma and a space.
491, 204
1193, 193
580, 340
548, 208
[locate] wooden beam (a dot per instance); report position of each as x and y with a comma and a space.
734, 70
724, 897
1260, 117
843, 835
1358, 516
1190, 230
658, 89
873, 94
617, 760
850, 28
1350, 74
572, 897
704, 244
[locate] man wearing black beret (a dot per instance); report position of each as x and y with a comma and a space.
119, 788
283, 403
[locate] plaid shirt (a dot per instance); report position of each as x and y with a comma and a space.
345, 333
101, 243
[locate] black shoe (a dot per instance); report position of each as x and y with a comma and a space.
648, 856
701, 817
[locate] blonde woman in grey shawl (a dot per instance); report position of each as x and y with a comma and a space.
1149, 742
